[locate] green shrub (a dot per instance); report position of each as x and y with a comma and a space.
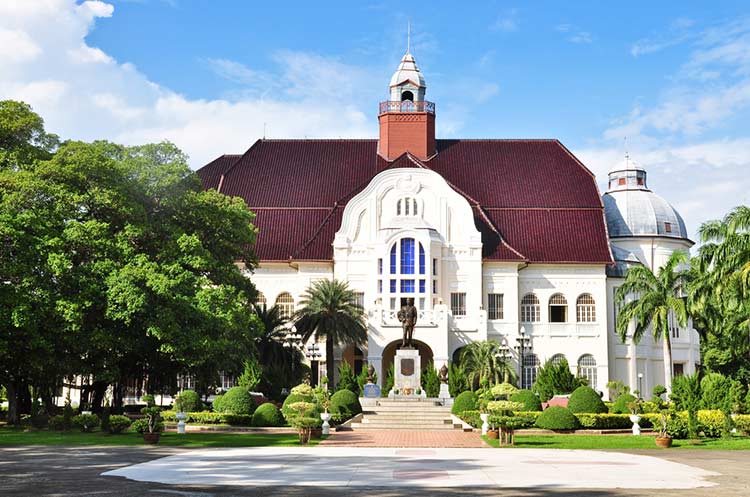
388, 384
657, 393
86, 422
457, 381
466, 401
251, 377
344, 405
651, 407
557, 418
605, 421
210, 418
57, 422
621, 404
586, 400
715, 391
711, 423
347, 379
118, 424
616, 388
188, 401
291, 399
471, 417
218, 404
686, 395
529, 400
67, 416
141, 426
236, 401
431, 381
742, 423
149, 400
555, 379
267, 415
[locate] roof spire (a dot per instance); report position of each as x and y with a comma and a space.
408, 35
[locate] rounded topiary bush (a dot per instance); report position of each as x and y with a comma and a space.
621, 404
291, 399
585, 399
530, 401
188, 401
236, 401
557, 418
118, 424
267, 415
466, 401
344, 405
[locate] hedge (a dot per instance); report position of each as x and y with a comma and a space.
742, 423
268, 415
586, 400
526, 418
211, 418
466, 401
604, 421
529, 400
471, 417
557, 418
621, 404
344, 405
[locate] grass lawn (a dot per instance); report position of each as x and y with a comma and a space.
620, 442
10, 436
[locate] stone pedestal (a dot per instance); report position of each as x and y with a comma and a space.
407, 369
445, 395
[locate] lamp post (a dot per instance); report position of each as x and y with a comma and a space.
524, 343
640, 385
313, 353
504, 356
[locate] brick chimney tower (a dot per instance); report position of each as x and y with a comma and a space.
407, 120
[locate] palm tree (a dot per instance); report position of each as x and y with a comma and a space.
329, 309
483, 361
274, 354
654, 298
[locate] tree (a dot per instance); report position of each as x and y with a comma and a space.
482, 363
329, 310
719, 294
555, 379
282, 364
347, 380
23, 139
654, 298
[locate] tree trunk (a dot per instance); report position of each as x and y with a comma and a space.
12, 393
99, 389
329, 364
667, 350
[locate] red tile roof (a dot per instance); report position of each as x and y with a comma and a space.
532, 199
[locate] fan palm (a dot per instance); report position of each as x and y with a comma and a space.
654, 298
329, 309
482, 362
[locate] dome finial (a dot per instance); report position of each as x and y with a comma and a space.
408, 35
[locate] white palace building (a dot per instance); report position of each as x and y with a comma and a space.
506, 240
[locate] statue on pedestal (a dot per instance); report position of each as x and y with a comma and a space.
443, 374
370, 374
407, 316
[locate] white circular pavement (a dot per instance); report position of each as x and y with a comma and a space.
380, 467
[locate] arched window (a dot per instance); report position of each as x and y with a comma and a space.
530, 308
260, 301
421, 259
285, 303
393, 259
558, 308
585, 308
556, 359
407, 256
407, 95
406, 206
587, 368
530, 370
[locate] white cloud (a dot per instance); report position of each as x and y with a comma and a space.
581, 37
576, 35
506, 22
83, 93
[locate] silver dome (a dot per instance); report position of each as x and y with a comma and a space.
632, 209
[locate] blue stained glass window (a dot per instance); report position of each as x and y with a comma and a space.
421, 259
421, 286
380, 266
407, 286
380, 286
393, 259
393, 286
407, 256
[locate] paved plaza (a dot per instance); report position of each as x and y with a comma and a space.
405, 438
337, 472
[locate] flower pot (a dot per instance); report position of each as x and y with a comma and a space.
664, 442
151, 438
492, 434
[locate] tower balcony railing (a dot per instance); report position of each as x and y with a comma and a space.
407, 106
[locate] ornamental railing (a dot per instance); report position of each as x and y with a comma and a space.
407, 106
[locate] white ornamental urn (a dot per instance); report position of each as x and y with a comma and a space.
181, 417
325, 416
485, 425
634, 418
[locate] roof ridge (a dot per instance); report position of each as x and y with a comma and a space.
229, 169
543, 208
317, 231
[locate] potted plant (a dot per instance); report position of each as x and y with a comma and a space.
303, 418
151, 425
635, 409
663, 439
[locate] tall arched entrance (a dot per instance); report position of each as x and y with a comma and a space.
389, 352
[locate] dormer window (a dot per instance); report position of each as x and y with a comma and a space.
668, 227
406, 207
407, 95
640, 181
621, 181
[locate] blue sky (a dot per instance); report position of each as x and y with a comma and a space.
672, 77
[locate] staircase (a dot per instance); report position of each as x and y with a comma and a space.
406, 414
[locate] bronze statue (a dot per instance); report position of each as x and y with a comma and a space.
408, 318
370, 374
444, 374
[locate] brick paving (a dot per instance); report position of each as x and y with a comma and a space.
404, 438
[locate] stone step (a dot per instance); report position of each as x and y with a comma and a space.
360, 426
407, 408
415, 422
403, 415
